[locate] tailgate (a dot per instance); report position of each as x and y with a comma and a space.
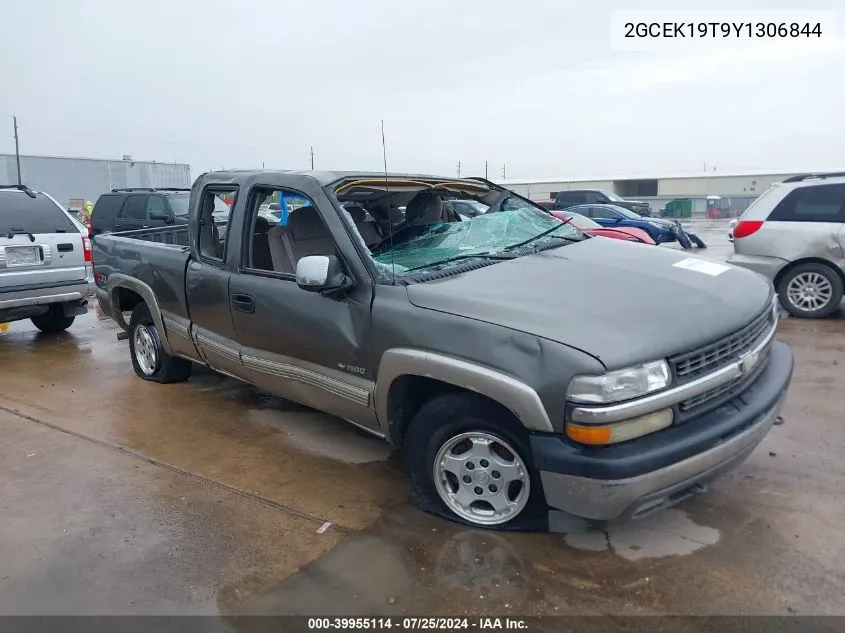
40, 245
49, 259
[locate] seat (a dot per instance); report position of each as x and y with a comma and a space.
278, 240
367, 228
210, 242
425, 208
308, 235
261, 256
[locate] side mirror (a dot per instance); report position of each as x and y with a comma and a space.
322, 273
161, 215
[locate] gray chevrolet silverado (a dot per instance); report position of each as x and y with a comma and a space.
534, 377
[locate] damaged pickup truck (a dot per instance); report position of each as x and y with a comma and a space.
534, 377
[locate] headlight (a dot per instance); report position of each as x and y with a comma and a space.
619, 385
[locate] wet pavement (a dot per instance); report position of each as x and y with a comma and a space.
210, 497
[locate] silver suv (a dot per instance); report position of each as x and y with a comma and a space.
794, 234
46, 272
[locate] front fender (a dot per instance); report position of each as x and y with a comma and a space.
513, 394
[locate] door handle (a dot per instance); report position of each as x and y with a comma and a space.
243, 303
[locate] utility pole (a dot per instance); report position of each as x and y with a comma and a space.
705, 165
312, 157
485, 170
504, 177
459, 169
17, 149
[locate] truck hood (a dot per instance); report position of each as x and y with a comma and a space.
617, 301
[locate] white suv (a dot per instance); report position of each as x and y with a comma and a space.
46, 272
794, 234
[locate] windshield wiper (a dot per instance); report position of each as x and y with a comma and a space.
456, 258
543, 234
13, 232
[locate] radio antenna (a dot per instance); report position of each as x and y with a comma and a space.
387, 188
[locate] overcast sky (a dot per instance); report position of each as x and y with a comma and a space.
532, 84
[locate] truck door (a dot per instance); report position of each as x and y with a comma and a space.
207, 284
301, 345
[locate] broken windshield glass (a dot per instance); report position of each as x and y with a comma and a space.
418, 247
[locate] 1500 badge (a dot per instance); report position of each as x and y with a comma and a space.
352, 369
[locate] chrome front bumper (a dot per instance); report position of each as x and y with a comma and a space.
605, 500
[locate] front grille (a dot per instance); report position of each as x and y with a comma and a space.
714, 356
722, 393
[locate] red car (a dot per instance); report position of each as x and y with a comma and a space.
585, 224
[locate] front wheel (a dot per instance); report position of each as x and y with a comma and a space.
149, 360
468, 461
811, 291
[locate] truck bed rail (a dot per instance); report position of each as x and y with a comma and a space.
177, 235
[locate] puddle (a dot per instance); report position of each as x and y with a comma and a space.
671, 533
321, 434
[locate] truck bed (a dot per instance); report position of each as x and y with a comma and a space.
157, 257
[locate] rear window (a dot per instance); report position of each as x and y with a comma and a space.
819, 203
105, 211
21, 214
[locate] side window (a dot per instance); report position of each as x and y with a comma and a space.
156, 209
602, 213
106, 210
215, 212
820, 203
592, 197
135, 208
285, 227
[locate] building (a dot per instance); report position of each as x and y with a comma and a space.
71, 181
737, 190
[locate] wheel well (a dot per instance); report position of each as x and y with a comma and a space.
408, 393
809, 260
127, 299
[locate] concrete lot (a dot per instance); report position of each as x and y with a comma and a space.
119, 496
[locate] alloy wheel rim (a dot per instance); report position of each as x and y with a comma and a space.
809, 291
481, 478
145, 350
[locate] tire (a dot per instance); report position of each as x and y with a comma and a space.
696, 240
461, 420
683, 239
54, 320
810, 291
149, 360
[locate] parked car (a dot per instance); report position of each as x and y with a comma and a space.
794, 235
133, 208
468, 208
590, 227
573, 197
45, 260
661, 230
517, 403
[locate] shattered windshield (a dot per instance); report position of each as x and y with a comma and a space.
430, 246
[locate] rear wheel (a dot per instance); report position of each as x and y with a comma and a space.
811, 290
149, 360
468, 461
54, 320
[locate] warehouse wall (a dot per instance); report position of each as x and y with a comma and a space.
80, 178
